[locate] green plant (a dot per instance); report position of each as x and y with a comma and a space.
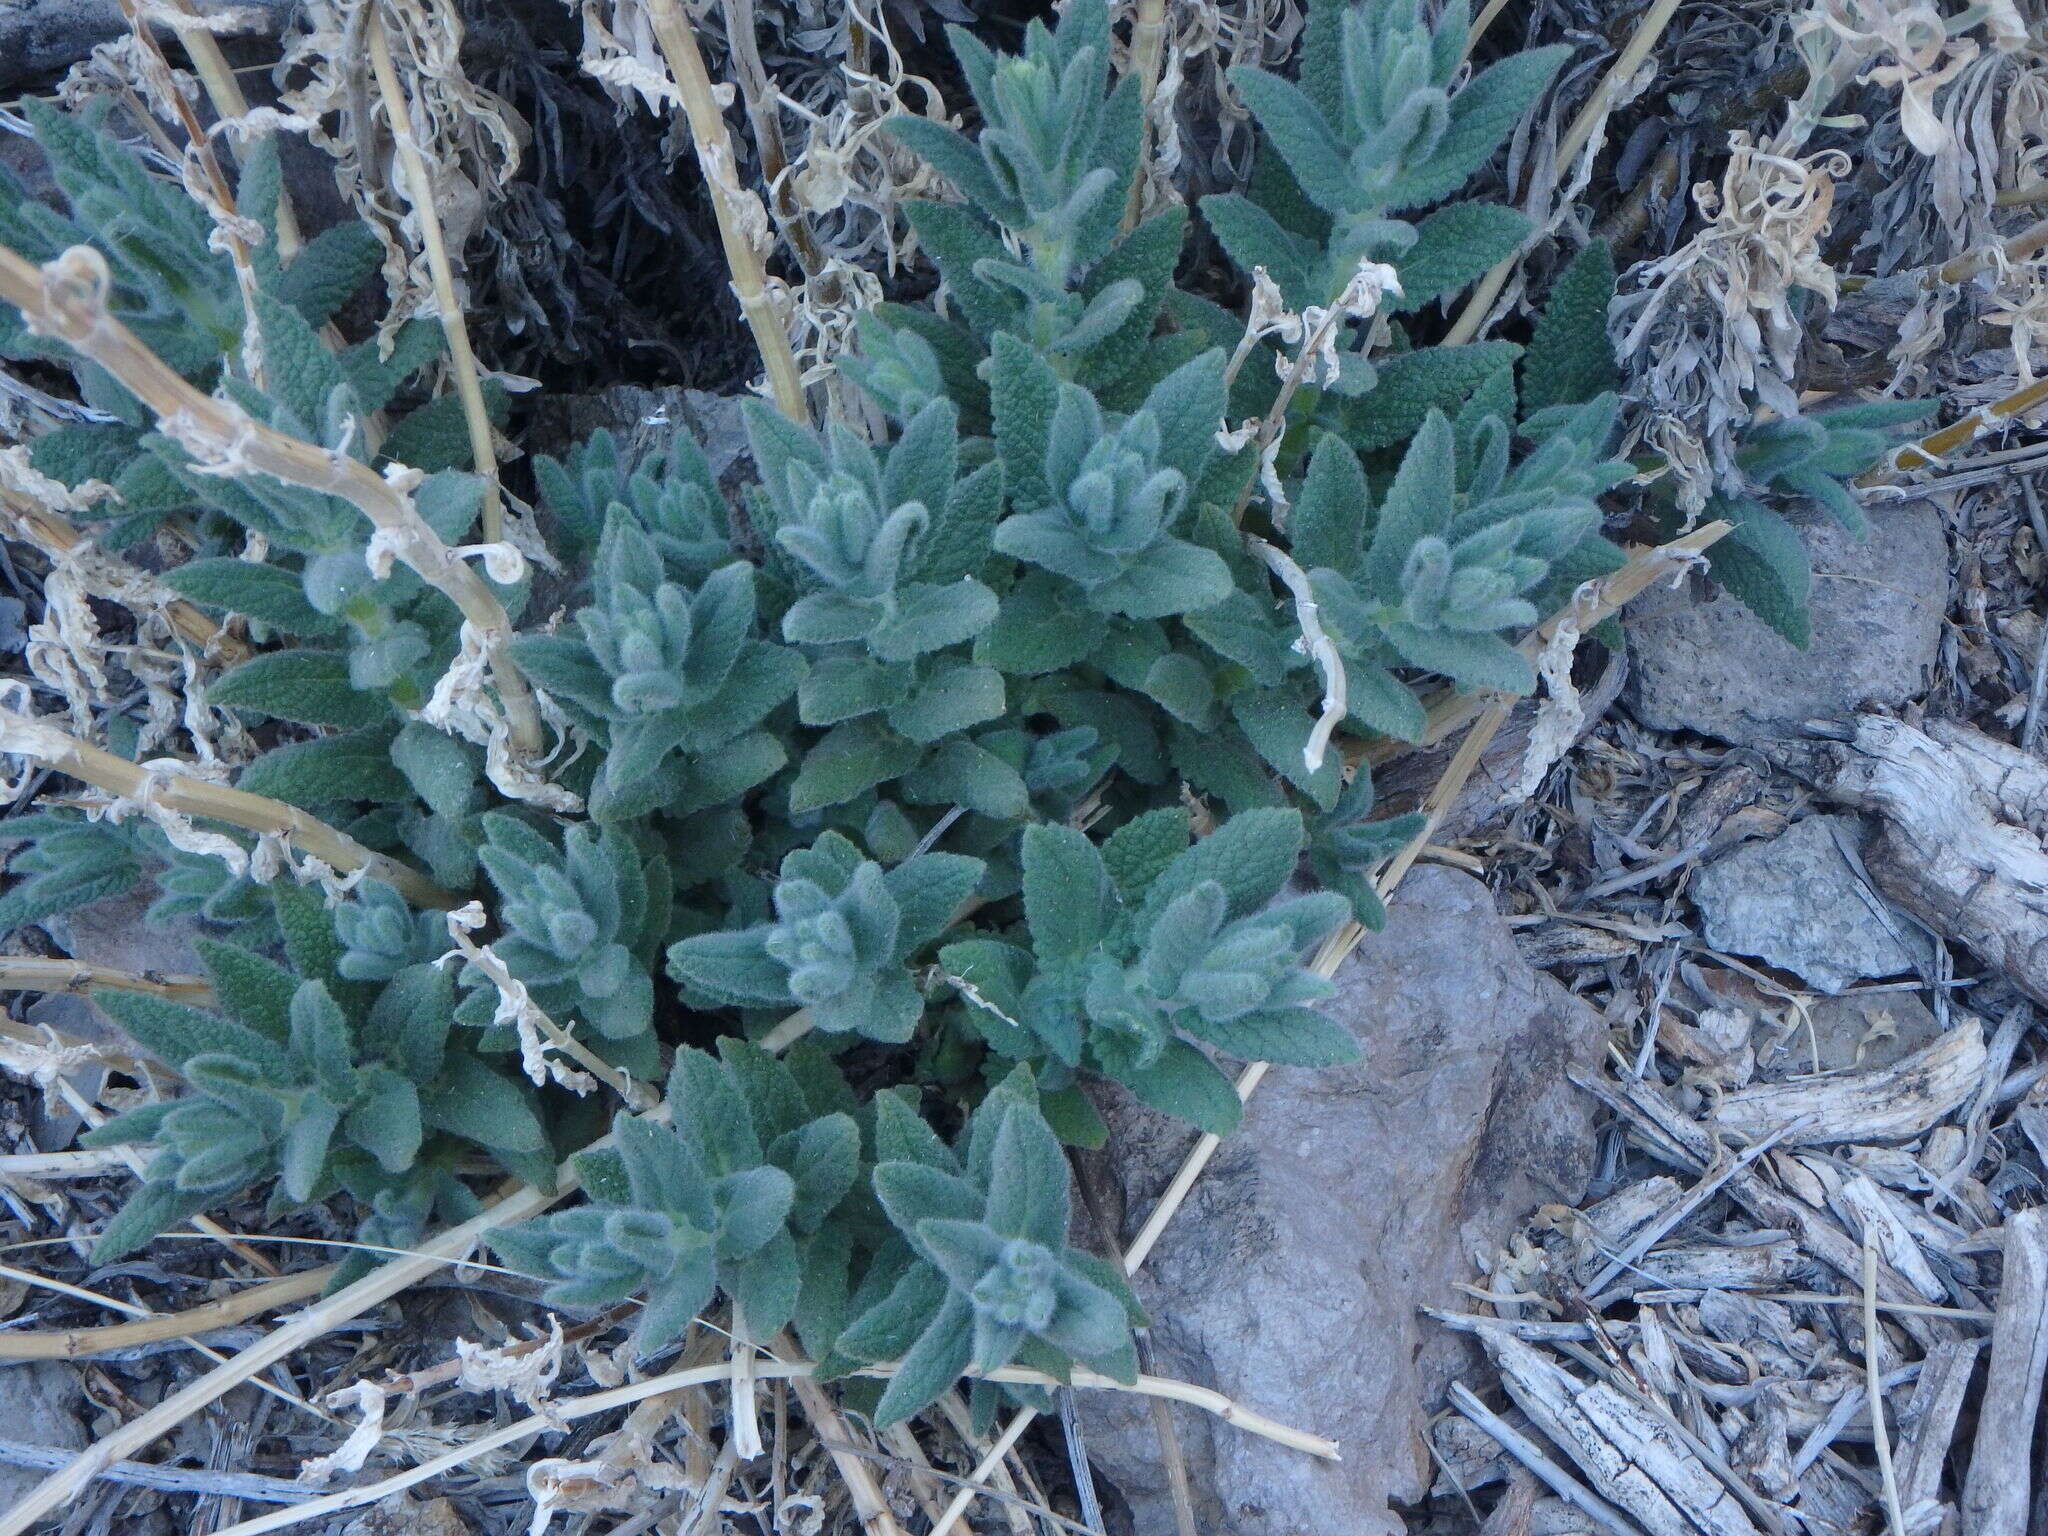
1802, 459
324, 1079
903, 759
727, 1198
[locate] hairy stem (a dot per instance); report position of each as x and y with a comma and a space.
20, 974
57, 536
66, 299
739, 212
1930, 450
185, 795
1148, 53
85, 1343
419, 191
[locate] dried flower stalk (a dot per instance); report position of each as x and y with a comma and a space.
66, 299
419, 190
184, 795
739, 211
1648, 29
85, 1343
57, 536
21, 974
225, 92
1148, 52
1932, 449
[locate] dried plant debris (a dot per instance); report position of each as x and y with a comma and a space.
976, 741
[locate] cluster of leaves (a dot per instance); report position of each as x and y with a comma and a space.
774, 1186
177, 288
325, 1075
901, 752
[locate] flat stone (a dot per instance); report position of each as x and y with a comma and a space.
1701, 661
1350, 1198
1796, 903
1854, 1034
44, 37
40, 1403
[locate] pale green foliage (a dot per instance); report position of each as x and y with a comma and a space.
1122, 975
902, 747
842, 932
1115, 500
983, 1275
724, 1199
325, 1085
581, 924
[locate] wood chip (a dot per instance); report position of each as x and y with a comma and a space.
1902, 1100
2000, 1482
1627, 1454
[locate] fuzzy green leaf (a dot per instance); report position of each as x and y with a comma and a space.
307, 687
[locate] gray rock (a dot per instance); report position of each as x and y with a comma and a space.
112, 932
1796, 902
40, 1403
402, 1515
1853, 1034
1705, 663
45, 37
1349, 1199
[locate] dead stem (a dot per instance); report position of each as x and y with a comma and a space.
66, 299
740, 215
1931, 450
1649, 27
18, 974
1148, 52
764, 116
796, 1371
225, 92
85, 1343
869, 1505
305, 1327
185, 795
419, 191
57, 536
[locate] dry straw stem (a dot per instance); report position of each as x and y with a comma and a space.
85, 1343
305, 1328
189, 796
57, 536
978, 1480
2022, 247
1873, 1389
61, 1165
517, 1202
195, 132
225, 92
419, 191
764, 116
1930, 451
870, 1506
730, 202
18, 974
1148, 55
706, 1375
66, 299
1649, 27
